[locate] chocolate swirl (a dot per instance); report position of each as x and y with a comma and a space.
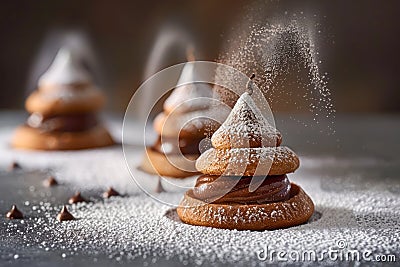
170, 145
235, 189
62, 123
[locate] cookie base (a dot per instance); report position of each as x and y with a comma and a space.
294, 211
248, 161
87, 101
26, 137
157, 163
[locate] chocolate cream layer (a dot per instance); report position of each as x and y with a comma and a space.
235, 189
62, 123
175, 146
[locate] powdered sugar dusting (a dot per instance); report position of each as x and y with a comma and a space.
249, 156
135, 227
240, 161
245, 122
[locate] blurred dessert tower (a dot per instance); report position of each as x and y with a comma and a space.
63, 109
184, 123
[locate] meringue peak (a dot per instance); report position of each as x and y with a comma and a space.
65, 69
190, 95
246, 127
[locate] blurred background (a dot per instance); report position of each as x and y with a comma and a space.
359, 43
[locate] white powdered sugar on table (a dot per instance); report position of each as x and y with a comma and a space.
138, 227
131, 227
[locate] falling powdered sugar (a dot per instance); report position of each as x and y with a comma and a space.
284, 57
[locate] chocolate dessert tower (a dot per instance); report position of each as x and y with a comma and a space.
63, 109
244, 184
181, 127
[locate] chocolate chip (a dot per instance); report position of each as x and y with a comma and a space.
64, 215
159, 188
77, 198
14, 166
50, 181
14, 213
110, 193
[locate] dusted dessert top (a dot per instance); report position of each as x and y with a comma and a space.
247, 145
65, 88
246, 127
190, 95
66, 69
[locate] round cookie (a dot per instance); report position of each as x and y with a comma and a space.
157, 163
294, 211
193, 124
225, 139
248, 161
27, 137
65, 100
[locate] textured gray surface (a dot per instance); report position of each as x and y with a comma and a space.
352, 176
